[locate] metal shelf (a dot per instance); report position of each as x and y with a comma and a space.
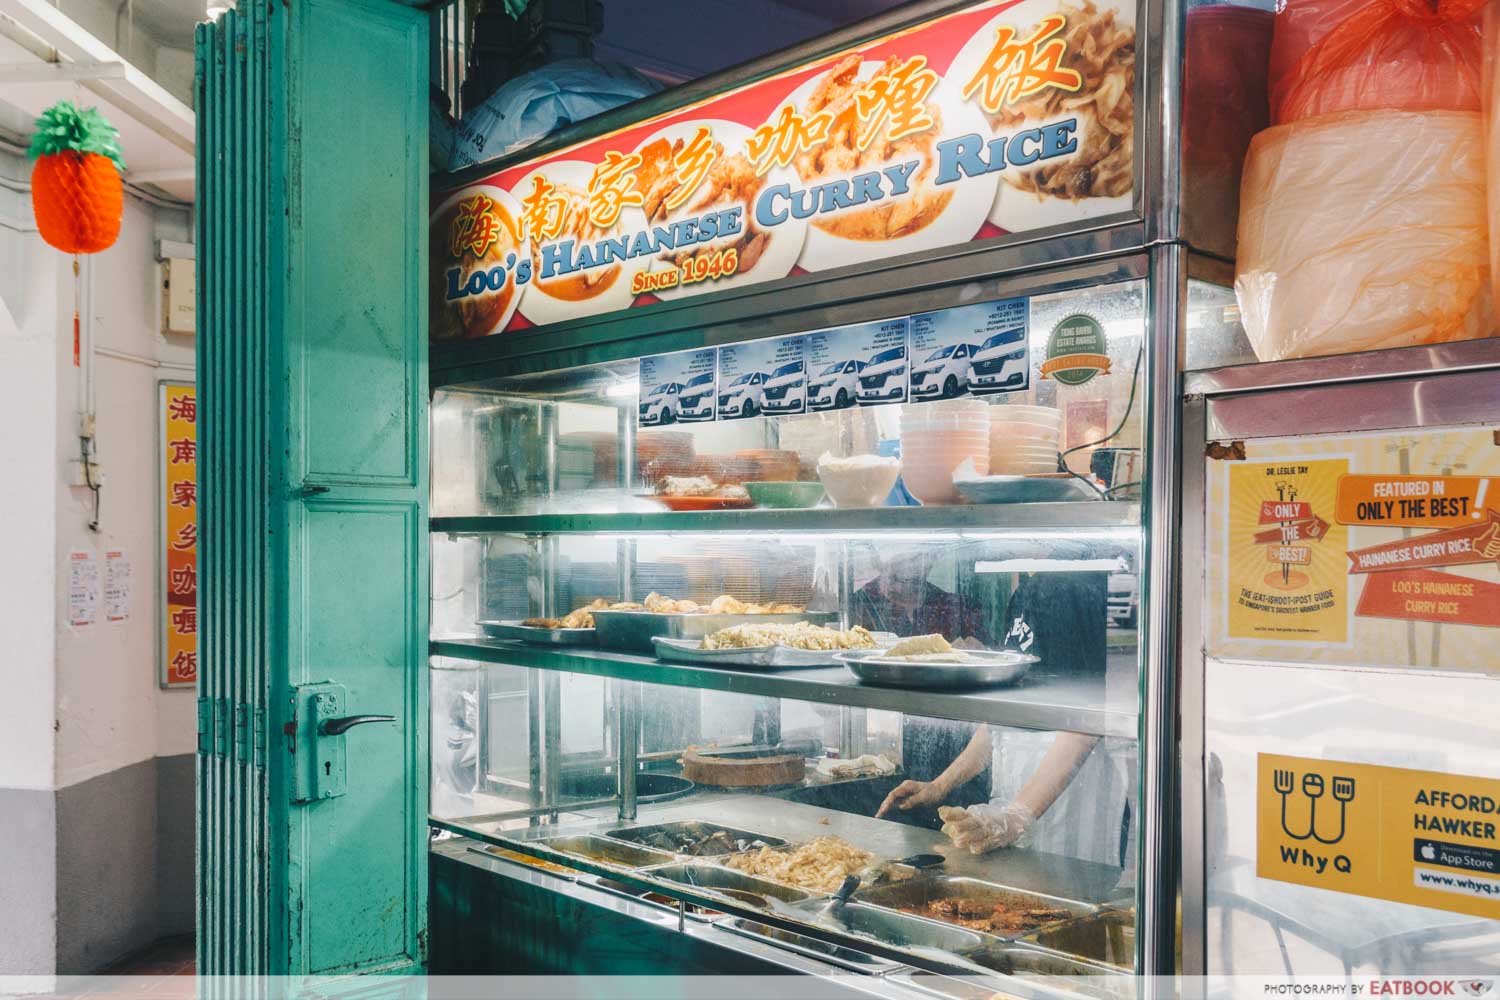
1098, 705
968, 519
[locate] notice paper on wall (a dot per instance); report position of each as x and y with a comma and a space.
117, 587
83, 589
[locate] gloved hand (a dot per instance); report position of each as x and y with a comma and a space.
986, 827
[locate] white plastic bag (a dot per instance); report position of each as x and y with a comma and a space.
1364, 230
536, 104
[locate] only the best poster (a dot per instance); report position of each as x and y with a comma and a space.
1375, 549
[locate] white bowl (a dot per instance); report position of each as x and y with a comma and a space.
863, 485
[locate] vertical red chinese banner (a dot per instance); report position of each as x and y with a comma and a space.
179, 536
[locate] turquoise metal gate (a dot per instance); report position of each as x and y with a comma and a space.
312, 188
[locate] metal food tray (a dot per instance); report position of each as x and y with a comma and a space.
900, 930
823, 951
693, 911
922, 890
761, 657
1039, 973
995, 668
690, 828
606, 851
539, 636
1106, 937
716, 879
632, 631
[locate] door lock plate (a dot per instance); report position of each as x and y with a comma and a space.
319, 760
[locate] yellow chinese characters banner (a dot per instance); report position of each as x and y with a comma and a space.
179, 535
1408, 836
997, 118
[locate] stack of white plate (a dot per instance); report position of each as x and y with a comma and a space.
1023, 440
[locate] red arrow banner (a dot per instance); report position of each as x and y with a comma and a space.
1310, 530
1471, 543
1425, 595
1272, 511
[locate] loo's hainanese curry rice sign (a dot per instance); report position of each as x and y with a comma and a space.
1003, 117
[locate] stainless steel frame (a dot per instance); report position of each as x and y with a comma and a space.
1141, 243
1445, 383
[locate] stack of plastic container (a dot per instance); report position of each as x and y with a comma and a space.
1023, 440
936, 438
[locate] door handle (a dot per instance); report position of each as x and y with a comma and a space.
340, 726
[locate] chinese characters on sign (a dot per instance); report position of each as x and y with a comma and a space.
179, 646
1002, 117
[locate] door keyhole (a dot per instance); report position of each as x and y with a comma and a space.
328, 767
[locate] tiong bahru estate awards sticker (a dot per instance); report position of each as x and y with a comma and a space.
1076, 350
1285, 552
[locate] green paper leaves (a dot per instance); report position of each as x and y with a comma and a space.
65, 128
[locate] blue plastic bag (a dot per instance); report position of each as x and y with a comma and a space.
535, 104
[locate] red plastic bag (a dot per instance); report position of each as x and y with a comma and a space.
1362, 55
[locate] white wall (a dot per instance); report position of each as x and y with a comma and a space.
110, 710
27, 496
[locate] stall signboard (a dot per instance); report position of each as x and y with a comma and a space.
179, 534
1378, 549
978, 349
1003, 117
1420, 837
678, 388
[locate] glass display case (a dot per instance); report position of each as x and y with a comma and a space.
670, 662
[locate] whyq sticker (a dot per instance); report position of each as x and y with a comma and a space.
1076, 350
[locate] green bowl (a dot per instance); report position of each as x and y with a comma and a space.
772, 494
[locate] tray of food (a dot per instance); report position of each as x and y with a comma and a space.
608, 852
576, 628
762, 767
693, 493
693, 838
892, 927
931, 662
1106, 937
986, 907
820, 865
516, 857
694, 910
542, 635
767, 645
846, 958
631, 628
729, 883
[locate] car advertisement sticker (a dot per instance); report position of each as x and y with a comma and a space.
977, 349
762, 377
678, 388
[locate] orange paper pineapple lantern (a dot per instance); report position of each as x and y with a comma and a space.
76, 191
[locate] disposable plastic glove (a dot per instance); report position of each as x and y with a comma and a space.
986, 827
